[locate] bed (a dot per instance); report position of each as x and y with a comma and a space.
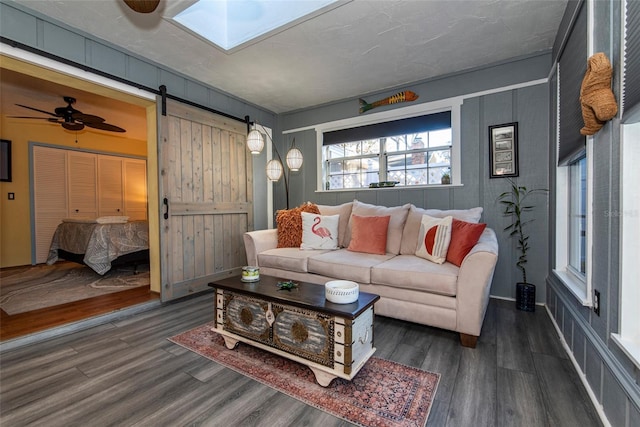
100, 244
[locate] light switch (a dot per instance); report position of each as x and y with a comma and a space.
12, 196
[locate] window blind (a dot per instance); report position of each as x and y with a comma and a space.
572, 68
418, 124
631, 100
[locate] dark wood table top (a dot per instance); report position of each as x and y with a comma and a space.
306, 295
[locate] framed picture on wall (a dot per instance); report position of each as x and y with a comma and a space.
503, 150
5, 160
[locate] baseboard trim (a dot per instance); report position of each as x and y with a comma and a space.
77, 326
581, 375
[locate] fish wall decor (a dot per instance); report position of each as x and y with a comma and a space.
404, 96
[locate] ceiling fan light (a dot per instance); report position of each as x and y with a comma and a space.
255, 142
72, 126
294, 159
274, 170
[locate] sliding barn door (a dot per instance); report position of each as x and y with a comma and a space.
205, 196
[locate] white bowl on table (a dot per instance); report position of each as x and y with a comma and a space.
341, 291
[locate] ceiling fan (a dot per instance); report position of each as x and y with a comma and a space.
72, 119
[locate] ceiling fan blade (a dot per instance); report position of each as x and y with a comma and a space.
72, 126
105, 126
86, 118
72, 119
36, 109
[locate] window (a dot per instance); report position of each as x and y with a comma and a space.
410, 152
578, 217
573, 225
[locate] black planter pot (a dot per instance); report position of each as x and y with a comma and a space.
525, 296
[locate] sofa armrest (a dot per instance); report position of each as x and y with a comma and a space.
259, 241
474, 283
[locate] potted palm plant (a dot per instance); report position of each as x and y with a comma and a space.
516, 204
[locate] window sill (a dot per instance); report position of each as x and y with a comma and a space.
412, 187
628, 347
575, 286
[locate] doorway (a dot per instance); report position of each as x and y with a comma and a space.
17, 215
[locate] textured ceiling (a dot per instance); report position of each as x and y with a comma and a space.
360, 47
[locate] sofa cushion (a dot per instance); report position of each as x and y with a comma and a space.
464, 236
414, 217
434, 238
319, 231
346, 265
292, 259
369, 234
344, 210
411, 272
398, 216
289, 223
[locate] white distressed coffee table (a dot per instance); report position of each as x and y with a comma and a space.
333, 340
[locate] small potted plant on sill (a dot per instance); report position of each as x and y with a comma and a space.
515, 205
446, 177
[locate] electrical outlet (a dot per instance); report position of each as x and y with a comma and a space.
596, 302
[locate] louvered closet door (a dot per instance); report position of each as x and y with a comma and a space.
207, 183
110, 183
50, 196
83, 189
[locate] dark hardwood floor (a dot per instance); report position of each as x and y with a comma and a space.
21, 324
126, 373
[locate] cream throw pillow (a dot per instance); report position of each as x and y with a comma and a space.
319, 231
434, 238
344, 210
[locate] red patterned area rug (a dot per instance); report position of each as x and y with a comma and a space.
383, 393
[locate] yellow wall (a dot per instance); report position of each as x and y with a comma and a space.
15, 215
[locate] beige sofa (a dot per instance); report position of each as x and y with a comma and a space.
410, 288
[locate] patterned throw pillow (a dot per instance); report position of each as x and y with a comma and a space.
319, 231
290, 225
369, 234
434, 238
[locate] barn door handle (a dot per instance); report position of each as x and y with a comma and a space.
165, 202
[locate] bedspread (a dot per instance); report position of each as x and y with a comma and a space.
100, 243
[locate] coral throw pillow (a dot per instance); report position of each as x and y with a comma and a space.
290, 225
319, 231
464, 236
434, 238
369, 234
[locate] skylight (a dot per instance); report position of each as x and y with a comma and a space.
232, 23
